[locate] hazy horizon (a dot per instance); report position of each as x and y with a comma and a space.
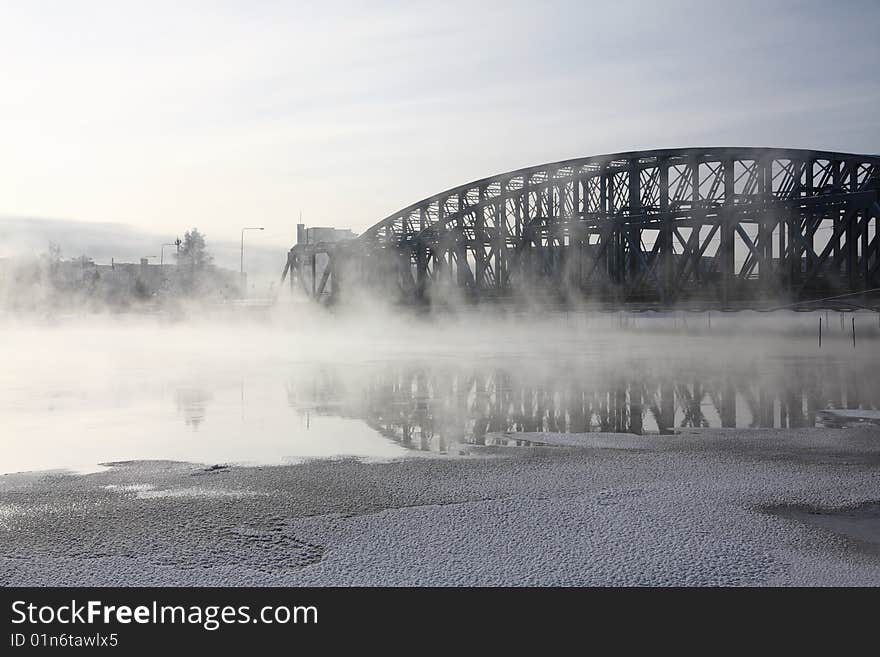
104, 242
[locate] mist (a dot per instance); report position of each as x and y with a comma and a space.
96, 375
275, 384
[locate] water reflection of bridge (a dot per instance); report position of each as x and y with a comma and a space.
430, 408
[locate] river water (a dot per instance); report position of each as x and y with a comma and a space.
78, 392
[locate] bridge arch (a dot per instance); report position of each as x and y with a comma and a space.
723, 226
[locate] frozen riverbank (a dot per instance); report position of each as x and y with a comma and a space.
700, 508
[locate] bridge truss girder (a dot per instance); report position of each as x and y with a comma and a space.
725, 227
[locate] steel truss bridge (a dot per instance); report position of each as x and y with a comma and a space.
711, 227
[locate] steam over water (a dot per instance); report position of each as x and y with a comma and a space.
288, 384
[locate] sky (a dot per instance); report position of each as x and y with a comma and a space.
223, 114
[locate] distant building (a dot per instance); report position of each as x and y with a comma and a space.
307, 260
151, 279
127, 274
317, 234
116, 284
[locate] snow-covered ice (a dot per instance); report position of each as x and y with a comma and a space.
706, 507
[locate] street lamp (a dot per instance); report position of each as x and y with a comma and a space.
241, 271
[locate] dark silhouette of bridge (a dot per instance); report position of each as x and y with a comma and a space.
707, 227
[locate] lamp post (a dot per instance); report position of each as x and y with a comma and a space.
241, 271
